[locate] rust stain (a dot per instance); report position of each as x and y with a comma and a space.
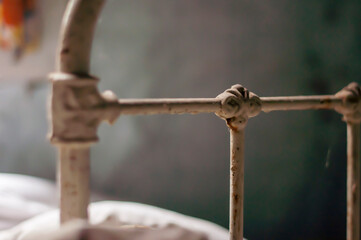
235, 216
354, 188
84, 168
326, 103
229, 124
65, 51
68, 185
74, 193
235, 197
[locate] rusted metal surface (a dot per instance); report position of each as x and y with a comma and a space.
351, 103
300, 103
76, 36
168, 106
73, 57
195, 105
77, 108
353, 181
73, 181
245, 104
236, 184
351, 111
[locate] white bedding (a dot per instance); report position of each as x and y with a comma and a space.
79, 230
23, 197
116, 213
28, 206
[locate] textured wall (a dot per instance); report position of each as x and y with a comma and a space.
295, 161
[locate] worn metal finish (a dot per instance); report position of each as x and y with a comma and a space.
198, 105
76, 36
351, 103
245, 104
73, 56
73, 180
300, 103
353, 181
236, 184
77, 108
351, 111
168, 106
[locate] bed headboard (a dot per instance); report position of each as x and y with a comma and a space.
77, 108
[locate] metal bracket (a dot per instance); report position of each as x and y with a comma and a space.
237, 105
351, 103
77, 108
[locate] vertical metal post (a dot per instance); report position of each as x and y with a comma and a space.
73, 56
353, 181
236, 184
73, 180
237, 105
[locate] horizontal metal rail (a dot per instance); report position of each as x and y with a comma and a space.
77, 108
168, 106
209, 105
300, 103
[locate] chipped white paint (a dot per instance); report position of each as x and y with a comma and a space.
77, 108
236, 196
73, 57
73, 180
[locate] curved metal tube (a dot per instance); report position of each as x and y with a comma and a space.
73, 56
76, 36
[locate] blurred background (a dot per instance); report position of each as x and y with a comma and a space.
295, 169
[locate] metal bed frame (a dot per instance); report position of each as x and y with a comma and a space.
77, 108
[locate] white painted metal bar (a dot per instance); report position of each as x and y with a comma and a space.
73, 57
168, 106
73, 177
353, 181
236, 106
76, 36
236, 184
300, 102
207, 105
